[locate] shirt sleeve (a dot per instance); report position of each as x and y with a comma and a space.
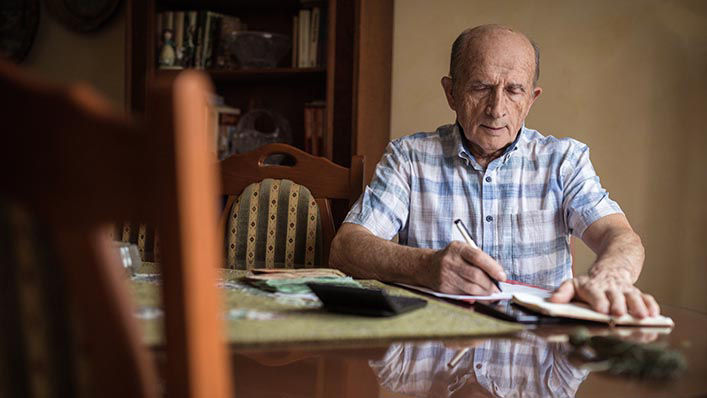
585, 200
384, 205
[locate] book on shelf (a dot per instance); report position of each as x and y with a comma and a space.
189, 42
179, 35
309, 36
221, 123
295, 40
314, 127
313, 37
303, 39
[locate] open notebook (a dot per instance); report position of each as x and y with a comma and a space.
508, 290
582, 311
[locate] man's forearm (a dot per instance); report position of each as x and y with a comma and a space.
620, 253
361, 254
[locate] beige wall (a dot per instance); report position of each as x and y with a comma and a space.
628, 78
97, 58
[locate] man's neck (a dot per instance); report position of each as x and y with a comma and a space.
483, 158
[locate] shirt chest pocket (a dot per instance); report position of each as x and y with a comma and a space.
540, 247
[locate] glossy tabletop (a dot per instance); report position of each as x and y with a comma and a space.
532, 363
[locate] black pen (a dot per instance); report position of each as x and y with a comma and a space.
467, 237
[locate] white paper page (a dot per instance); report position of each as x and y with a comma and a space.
582, 311
507, 292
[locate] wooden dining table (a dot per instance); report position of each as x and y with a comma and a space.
420, 368
537, 361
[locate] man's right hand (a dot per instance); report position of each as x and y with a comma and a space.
461, 269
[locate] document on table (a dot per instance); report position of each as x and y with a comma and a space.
584, 312
508, 290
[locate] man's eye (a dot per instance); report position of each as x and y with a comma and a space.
479, 87
515, 90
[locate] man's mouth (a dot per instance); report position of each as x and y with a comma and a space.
493, 128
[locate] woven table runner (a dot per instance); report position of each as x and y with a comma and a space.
257, 318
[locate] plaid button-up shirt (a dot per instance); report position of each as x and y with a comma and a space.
520, 209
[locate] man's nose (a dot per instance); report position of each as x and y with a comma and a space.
495, 106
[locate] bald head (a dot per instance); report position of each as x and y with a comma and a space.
486, 39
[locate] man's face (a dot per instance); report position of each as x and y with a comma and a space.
494, 90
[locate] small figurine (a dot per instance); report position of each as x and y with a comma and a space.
167, 52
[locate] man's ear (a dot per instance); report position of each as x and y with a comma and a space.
447, 86
537, 90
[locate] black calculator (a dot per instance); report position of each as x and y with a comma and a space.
363, 301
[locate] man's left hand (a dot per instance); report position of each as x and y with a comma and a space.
607, 292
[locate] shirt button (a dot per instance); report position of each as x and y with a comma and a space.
488, 179
489, 218
478, 366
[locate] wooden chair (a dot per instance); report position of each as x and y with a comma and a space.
71, 166
141, 235
325, 180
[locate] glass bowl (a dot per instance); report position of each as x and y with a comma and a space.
257, 49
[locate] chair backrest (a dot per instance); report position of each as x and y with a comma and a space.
74, 165
141, 235
324, 179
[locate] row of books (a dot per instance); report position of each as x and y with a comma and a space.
309, 38
194, 39
197, 39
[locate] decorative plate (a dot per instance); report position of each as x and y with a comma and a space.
18, 25
82, 15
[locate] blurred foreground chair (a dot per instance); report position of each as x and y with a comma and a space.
280, 215
70, 166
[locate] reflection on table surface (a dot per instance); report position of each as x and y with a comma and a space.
533, 363
528, 366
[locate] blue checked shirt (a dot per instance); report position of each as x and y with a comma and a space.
520, 210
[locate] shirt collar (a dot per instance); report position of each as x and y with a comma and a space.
464, 152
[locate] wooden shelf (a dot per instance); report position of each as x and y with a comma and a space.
354, 83
222, 75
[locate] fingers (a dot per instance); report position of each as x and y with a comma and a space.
636, 305
617, 302
594, 297
476, 276
456, 284
607, 296
564, 293
652, 304
482, 260
634, 302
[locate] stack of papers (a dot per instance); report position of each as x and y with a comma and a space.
294, 281
508, 290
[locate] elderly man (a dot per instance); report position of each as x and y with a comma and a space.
521, 194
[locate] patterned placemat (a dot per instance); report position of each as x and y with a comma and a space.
256, 317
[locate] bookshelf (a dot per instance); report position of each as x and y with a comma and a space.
353, 79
